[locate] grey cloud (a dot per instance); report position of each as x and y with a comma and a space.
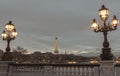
39, 21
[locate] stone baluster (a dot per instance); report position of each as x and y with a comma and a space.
90, 71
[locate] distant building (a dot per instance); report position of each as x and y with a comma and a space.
56, 46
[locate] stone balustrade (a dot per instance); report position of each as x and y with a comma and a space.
117, 69
103, 68
54, 70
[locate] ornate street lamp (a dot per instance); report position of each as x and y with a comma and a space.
8, 34
105, 28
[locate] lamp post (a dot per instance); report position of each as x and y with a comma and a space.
8, 34
105, 28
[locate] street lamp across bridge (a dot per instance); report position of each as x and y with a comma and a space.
8, 34
105, 28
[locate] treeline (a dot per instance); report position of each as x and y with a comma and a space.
21, 55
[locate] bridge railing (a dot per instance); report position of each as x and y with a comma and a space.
117, 69
54, 70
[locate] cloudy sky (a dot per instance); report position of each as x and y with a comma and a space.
39, 21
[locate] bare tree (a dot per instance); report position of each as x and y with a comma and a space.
19, 54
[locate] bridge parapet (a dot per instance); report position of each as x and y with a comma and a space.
54, 70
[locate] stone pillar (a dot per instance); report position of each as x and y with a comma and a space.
107, 68
4, 68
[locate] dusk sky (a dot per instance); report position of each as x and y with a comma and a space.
39, 21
